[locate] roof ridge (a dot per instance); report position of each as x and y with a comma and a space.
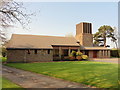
41, 35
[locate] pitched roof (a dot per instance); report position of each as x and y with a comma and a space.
39, 41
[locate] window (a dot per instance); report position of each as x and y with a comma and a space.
35, 51
65, 52
28, 51
90, 28
85, 27
48, 51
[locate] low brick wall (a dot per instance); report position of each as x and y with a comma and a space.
15, 55
23, 56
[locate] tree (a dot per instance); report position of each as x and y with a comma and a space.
103, 33
4, 51
11, 12
115, 39
2, 36
69, 35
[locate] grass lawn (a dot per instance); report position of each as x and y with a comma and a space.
98, 74
3, 59
8, 84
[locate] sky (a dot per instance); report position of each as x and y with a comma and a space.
60, 18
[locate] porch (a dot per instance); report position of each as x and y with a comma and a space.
63, 52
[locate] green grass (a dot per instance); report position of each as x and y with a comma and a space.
98, 74
3, 59
8, 84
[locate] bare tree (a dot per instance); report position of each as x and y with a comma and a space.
115, 39
2, 36
69, 35
11, 12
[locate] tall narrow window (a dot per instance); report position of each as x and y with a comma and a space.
90, 28
84, 28
28, 51
48, 51
35, 51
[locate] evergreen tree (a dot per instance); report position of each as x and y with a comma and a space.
103, 33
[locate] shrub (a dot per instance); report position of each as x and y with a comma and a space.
4, 52
84, 57
72, 55
79, 53
78, 57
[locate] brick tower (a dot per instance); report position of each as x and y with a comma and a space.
84, 34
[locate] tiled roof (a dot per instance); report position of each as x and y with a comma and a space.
39, 41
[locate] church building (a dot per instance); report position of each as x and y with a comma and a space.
39, 48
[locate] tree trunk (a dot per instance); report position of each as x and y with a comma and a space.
104, 36
116, 44
105, 42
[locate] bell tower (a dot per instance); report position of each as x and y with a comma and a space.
84, 34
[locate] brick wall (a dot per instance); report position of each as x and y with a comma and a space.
15, 55
85, 39
23, 56
42, 56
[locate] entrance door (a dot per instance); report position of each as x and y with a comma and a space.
94, 54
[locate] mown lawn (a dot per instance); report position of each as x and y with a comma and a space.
98, 74
7, 84
3, 59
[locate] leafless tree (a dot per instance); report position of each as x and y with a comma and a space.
115, 39
11, 12
69, 35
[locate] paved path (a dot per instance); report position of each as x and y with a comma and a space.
111, 60
28, 79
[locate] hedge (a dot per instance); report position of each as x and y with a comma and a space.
115, 53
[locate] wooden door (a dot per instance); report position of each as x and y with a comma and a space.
94, 54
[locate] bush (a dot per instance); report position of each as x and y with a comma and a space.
84, 57
72, 56
73, 53
77, 56
4, 52
79, 53
3, 59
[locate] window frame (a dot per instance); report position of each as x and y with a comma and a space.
48, 51
28, 51
35, 51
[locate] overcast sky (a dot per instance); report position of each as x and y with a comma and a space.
60, 18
